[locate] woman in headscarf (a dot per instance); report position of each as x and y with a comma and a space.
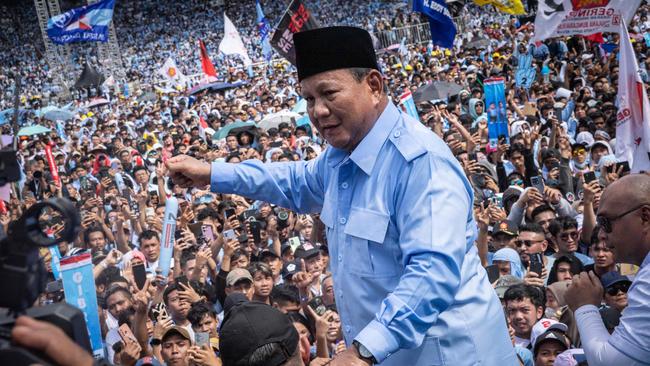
556, 308
509, 262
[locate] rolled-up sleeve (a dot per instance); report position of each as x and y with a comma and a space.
431, 216
294, 185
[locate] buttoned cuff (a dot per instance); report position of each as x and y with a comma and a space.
222, 176
378, 339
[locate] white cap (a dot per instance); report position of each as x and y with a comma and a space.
585, 138
544, 325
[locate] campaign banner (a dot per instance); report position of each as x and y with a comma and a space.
441, 23
88, 23
296, 19
562, 18
167, 237
55, 261
407, 104
495, 107
79, 289
50, 161
514, 7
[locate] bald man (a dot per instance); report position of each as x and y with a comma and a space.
624, 218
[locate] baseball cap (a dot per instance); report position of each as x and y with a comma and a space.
602, 135
290, 268
148, 361
585, 138
504, 283
551, 335
550, 153
544, 325
506, 227
250, 325
611, 278
284, 247
177, 330
306, 251
237, 275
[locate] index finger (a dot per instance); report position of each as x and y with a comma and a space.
302, 264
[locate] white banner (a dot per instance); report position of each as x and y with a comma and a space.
560, 18
633, 118
170, 71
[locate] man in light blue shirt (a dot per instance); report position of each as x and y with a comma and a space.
409, 285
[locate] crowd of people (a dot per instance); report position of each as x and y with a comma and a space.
536, 195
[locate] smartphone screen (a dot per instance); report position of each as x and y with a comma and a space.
201, 338
255, 231
229, 212
139, 275
208, 235
317, 304
625, 165
294, 242
229, 234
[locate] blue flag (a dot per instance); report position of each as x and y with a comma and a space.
443, 29
264, 28
86, 24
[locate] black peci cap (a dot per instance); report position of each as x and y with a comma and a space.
332, 48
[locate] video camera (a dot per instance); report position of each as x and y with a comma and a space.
24, 279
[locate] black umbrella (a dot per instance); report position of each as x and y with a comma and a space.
436, 90
89, 77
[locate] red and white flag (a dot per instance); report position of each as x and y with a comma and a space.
207, 66
633, 119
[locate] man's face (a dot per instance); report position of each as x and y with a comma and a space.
547, 352
502, 240
178, 308
117, 303
567, 240
208, 324
263, 284
602, 254
517, 159
598, 152
150, 248
599, 123
314, 264
544, 219
537, 242
141, 176
342, 109
231, 142
328, 291
522, 315
174, 350
96, 241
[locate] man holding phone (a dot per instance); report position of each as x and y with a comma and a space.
409, 288
532, 244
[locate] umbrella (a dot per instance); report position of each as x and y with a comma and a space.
148, 97
436, 90
97, 102
479, 43
58, 114
215, 86
300, 107
8, 114
42, 111
234, 127
33, 130
274, 120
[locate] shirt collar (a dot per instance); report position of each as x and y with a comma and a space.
646, 261
365, 154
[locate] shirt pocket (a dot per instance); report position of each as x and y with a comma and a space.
368, 254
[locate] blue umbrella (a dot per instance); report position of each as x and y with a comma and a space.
234, 127
59, 115
33, 130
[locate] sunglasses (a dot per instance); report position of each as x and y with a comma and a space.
606, 222
579, 151
528, 243
615, 288
573, 235
517, 182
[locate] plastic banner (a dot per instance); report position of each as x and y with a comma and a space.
79, 289
495, 106
407, 104
167, 237
55, 259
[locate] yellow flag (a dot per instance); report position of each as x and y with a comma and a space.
514, 7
